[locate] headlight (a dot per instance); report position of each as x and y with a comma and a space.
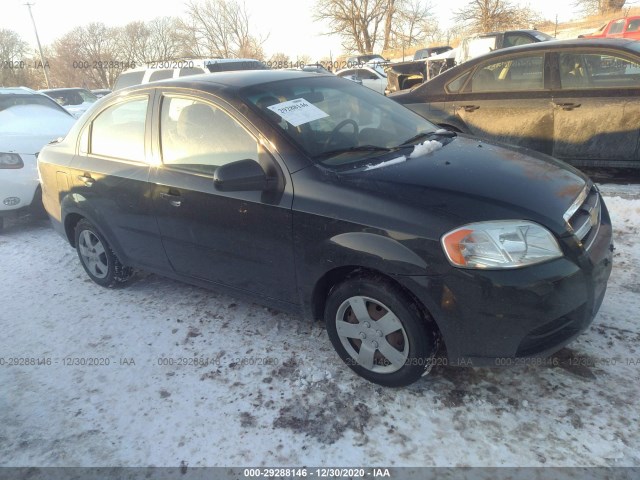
10, 160
500, 244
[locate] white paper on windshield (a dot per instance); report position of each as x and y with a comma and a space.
298, 111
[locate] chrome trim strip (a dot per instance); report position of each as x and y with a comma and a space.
577, 203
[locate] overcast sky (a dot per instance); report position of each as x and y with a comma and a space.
288, 23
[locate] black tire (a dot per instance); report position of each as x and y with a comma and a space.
97, 258
414, 341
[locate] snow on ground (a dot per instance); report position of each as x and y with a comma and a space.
274, 392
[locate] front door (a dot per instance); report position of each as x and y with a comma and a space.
240, 239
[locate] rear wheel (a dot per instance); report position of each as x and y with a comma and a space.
379, 332
97, 258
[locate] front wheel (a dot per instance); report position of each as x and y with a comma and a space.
378, 331
97, 258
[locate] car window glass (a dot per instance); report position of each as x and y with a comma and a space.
185, 72
347, 73
515, 73
513, 39
87, 97
129, 79
160, 75
598, 70
366, 74
456, 85
118, 131
634, 26
323, 115
199, 137
617, 27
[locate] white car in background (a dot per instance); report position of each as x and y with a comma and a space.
28, 121
75, 100
370, 75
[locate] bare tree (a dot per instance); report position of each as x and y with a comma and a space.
87, 56
365, 25
220, 28
488, 15
602, 7
358, 22
13, 53
414, 25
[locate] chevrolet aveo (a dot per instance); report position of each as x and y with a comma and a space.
312, 194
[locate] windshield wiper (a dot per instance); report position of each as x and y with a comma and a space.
414, 140
359, 148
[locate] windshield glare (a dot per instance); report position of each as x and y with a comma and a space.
335, 121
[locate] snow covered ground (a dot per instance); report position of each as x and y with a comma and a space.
268, 388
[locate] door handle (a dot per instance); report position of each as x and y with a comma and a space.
87, 179
470, 108
175, 200
567, 106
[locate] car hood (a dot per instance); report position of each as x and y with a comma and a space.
25, 144
471, 180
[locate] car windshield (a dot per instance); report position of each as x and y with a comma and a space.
337, 122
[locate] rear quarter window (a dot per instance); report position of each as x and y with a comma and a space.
128, 79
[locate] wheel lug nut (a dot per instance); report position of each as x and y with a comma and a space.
362, 335
375, 344
367, 324
379, 332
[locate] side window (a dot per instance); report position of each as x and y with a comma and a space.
513, 39
617, 27
634, 26
160, 75
186, 71
118, 131
598, 70
347, 73
519, 73
456, 85
365, 74
198, 137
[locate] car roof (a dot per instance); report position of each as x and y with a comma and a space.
559, 45
233, 80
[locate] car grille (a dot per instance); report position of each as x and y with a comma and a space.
584, 217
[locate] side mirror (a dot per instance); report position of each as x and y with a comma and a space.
243, 175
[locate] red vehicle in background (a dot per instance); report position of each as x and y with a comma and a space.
628, 27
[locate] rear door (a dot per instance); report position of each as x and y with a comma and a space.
597, 108
240, 239
508, 100
110, 179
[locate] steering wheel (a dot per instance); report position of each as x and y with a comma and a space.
339, 127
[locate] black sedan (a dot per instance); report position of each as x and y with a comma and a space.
312, 194
578, 100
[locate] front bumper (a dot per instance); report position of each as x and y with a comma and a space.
489, 317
